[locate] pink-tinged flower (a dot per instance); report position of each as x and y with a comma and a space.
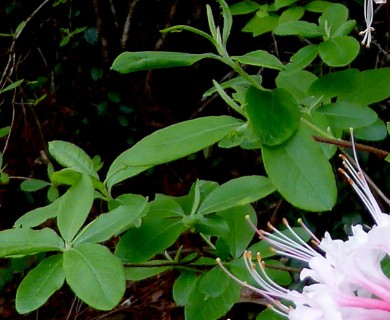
369, 17
347, 281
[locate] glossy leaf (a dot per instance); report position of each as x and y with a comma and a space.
260, 58
73, 157
39, 284
240, 232
236, 192
339, 51
294, 169
291, 14
111, 223
171, 143
95, 275
273, 115
25, 241
74, 207
345, 114
243, 7
128, 62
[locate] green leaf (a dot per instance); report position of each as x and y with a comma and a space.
240, 232
338, 84
339, 51
74, 207
273, 115
292, 14
214, 282
183, 286
152, 237
32, 185
345, 114
299, 28
236, 192
12, 86
332, 18
227, 21
201, 306
301, 173
128, 62
372, 86
25, 241
345, 29
39, 284
318, 6
171, 143
112, 223
302, 58
243, 7
260, 25
4, 131
260, 58
211, 225
95, 275
283, 3
296, 83
373, 132
146, 271
71, 156
39, 215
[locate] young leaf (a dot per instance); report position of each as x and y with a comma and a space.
260, 58
243, 7
171, 143
292, 14
260, 25
71, 156
25, 241
128, 62
74, 207
95, 275
236, 192
12, 86
274, 115
240, 233
339, 51
39, 284
301, 173
112, 223
227, 21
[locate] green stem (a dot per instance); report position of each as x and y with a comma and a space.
316, 129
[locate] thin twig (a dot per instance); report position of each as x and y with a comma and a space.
346, 144
126, 28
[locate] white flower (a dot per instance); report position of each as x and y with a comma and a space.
369, 17
347, 280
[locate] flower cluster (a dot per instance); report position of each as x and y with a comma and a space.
347, 281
